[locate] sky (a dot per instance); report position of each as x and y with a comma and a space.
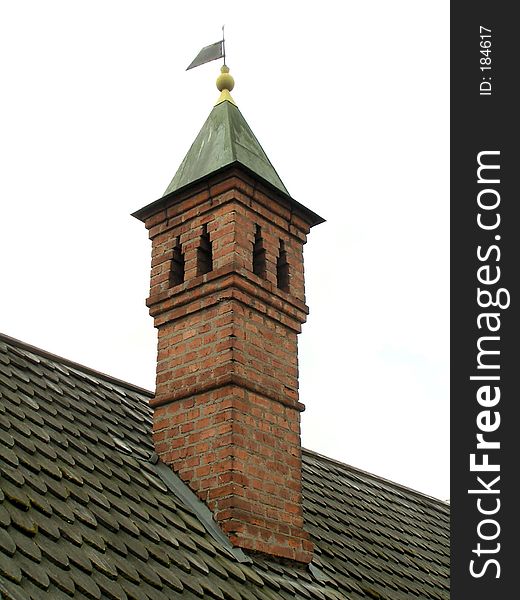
350, 102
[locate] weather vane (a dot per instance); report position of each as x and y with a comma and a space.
209, 53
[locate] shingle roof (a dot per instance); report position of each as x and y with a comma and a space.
86, 511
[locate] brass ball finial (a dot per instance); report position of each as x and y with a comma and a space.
225, 81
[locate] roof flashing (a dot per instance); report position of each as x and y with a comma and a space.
188, 498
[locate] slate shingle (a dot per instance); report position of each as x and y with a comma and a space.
85, 513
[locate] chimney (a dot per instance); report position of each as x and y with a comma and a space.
227, 298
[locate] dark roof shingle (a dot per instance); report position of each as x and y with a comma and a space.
86, 511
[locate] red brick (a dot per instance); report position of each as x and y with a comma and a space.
227, 416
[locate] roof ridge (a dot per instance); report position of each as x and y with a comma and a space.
73, 364
395, 484
232, 141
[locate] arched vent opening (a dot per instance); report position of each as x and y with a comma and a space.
204, 253
259, 265
177, 264
282, 269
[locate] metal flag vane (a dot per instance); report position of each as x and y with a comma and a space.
225, 82
209, 53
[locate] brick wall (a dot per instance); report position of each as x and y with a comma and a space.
226, 409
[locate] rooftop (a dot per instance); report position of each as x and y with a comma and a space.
87, 510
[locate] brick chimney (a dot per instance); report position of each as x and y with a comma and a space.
227, 298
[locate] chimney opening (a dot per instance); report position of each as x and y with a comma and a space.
204, 253
177, 264
259, 267
282, 269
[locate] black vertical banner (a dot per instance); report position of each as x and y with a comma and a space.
485, 252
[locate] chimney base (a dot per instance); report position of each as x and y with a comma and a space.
240, 452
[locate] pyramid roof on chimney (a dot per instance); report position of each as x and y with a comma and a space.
225, 139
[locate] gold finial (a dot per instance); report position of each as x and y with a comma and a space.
225, 83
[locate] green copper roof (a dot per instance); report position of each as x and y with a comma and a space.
225, 138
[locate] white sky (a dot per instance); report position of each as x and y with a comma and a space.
349, 100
